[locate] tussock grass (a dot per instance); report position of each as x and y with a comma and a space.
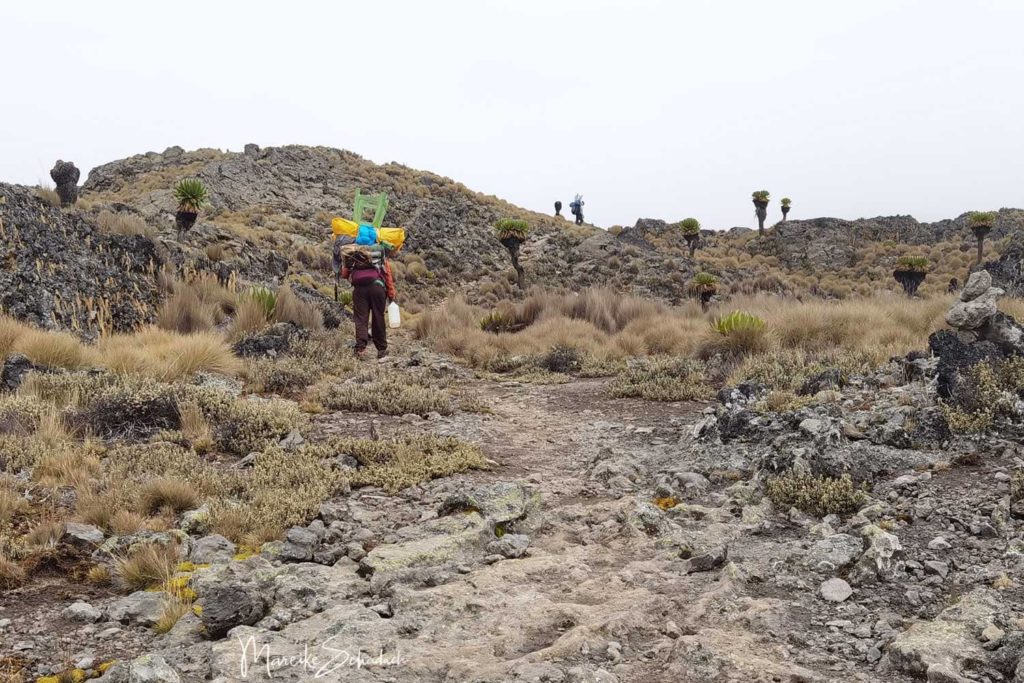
289, 308
149, 565
184, 312
51, 349
167, 356
857, 334
12, 574
250, 317
123, 224
818, 496
12, 504
167, 493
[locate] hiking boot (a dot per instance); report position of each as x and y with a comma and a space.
381, 355
359, 354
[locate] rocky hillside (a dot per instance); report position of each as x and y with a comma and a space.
58, 270
283, 198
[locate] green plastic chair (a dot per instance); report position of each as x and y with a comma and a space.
378, 203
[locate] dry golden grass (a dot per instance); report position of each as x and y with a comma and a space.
45, 534
148, 566
250, 317
174, 609
12, 574
98, 575
10, 330
195, 426
48, 195
608, 328
67, 467
167, 492
123, 224
12, 504
167, 356
51, 349
291, 309
125, 522
215, 252
185, 313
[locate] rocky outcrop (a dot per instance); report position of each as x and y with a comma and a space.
981, 333
828, 243
297, 189
57, 270
1008, 270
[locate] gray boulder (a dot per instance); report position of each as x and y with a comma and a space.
298, 545
141, 608
939, 649
230, 604
82, 534
510, 546
212, 549
83, 612
835, 590
151, 669
833, 553
882, 559
977, 284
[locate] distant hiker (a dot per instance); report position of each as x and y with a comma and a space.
558, 209
954, 285
576, 207
366, 266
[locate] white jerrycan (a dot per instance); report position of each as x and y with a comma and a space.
394, 315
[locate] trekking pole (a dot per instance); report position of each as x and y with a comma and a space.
336, 276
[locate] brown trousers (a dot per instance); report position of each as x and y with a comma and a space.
370, 300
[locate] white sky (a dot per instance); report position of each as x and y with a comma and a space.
649, 108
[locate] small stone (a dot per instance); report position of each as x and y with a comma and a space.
1002, 476
992, 634
939, 543
936, 567
835, 590
82, 612
293, 441
383, 609
712, 559
82, 534
510, 546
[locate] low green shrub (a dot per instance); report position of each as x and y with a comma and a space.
819, 496
387, 393
663, 379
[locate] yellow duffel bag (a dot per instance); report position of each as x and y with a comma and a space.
393, 236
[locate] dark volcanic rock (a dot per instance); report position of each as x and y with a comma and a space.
14, 369
273, 340
956, 355
55, 268
1008, 270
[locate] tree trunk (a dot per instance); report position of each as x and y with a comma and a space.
785, 212
691, 242
980, 233
705, 299
761, 209
512, 244
910, 280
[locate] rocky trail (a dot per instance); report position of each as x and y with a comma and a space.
557, 565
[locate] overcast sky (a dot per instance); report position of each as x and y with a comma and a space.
649, 108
